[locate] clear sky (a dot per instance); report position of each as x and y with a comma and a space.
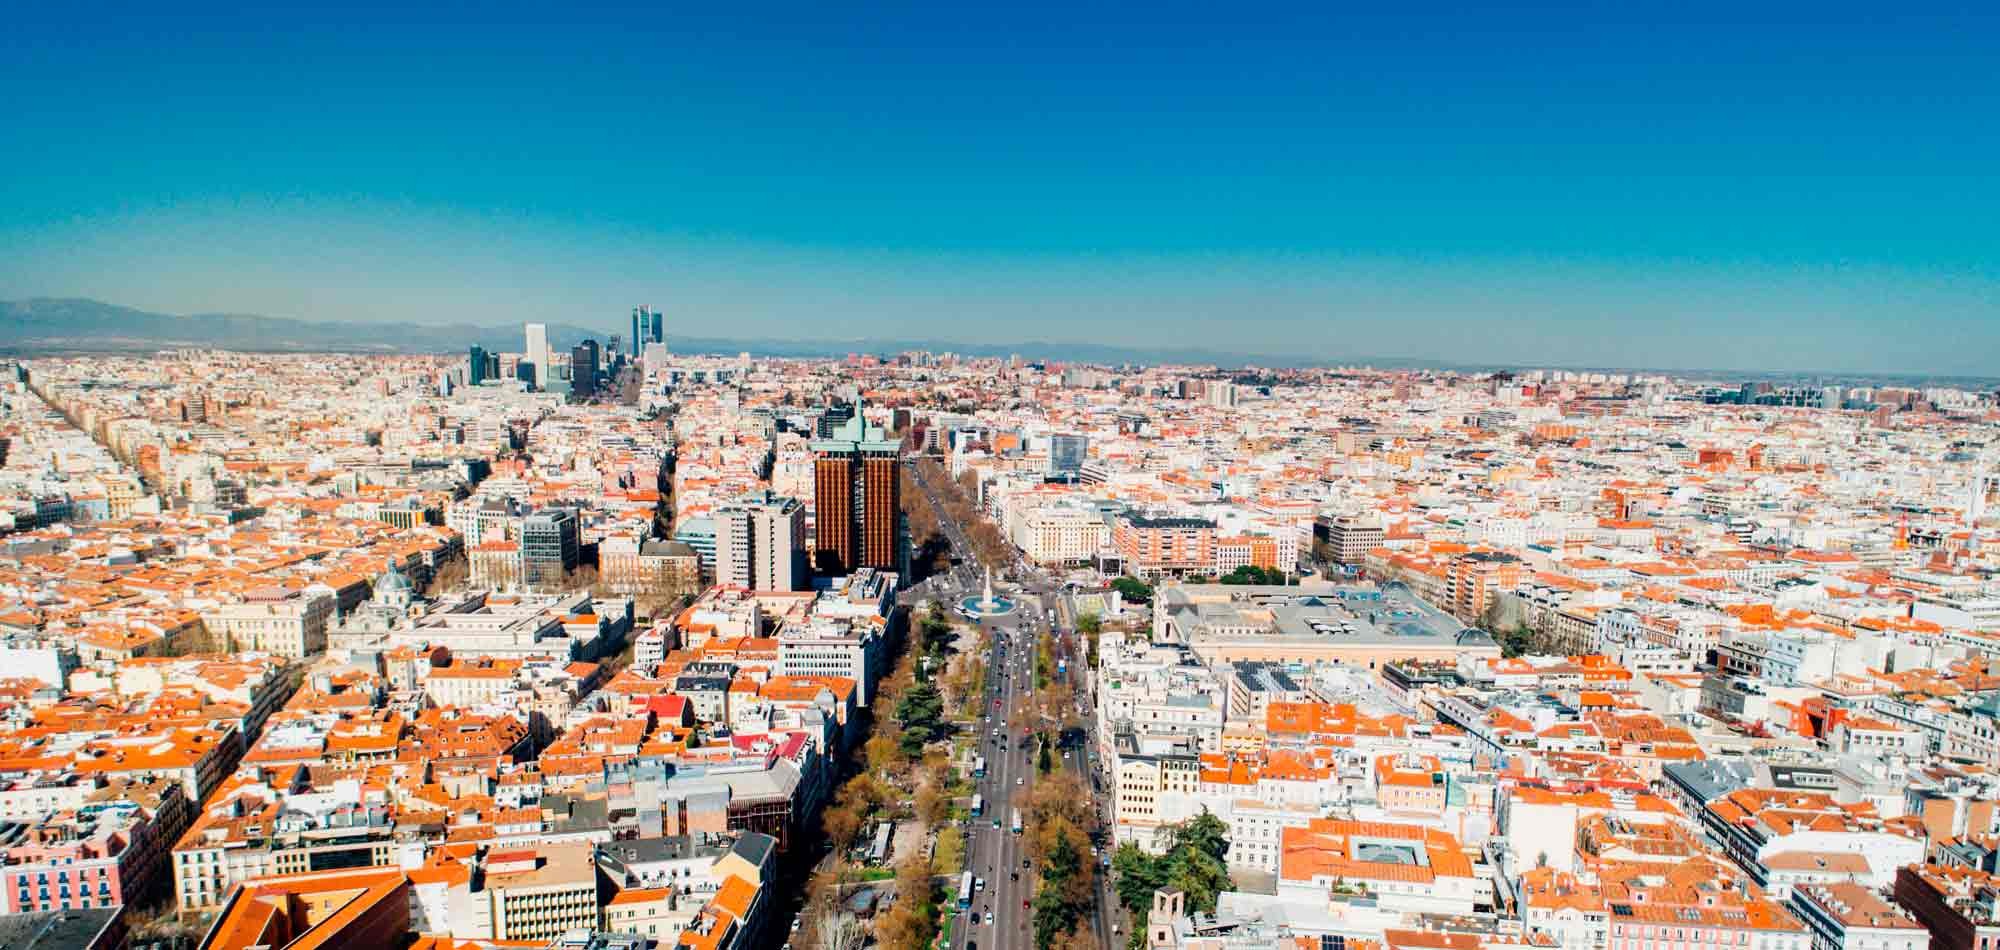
1809, 186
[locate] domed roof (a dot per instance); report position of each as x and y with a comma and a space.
393, 580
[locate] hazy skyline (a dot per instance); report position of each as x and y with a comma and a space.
1810, 190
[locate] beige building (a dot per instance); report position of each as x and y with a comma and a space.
536, 893
1153, 791
1360, 625
1059, 534
290, 624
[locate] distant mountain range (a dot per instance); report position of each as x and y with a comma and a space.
45, 325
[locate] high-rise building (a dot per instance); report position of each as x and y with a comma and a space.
583, 369
760, 543
648, 326
858, 501
475, 366
548, 547
538, 351
833, 418
1066, 454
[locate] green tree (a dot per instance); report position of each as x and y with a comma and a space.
934, 631
1194, 863
1204, 833
920, 711
949, 855
1059, 905
1047, 762
1133, 589
1137, 875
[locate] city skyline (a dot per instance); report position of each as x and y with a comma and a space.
1324, 183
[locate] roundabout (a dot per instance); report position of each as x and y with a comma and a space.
987, 604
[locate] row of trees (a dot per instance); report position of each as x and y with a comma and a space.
909, 722
955, 499
1194, 863
930, 550
1058, 818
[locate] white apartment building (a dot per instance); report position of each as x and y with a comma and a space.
760, 544
829, 647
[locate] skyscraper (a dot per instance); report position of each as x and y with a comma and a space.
475, 366
538, 351
760, 543
858, 501
648, 326
832, 419
583, 369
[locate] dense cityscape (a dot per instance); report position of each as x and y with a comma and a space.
610, 647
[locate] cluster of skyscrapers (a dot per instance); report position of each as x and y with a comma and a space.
587, 359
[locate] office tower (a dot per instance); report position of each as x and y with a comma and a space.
648, 326
833, 418
583, 369
1066, 454
538, 351
857, 500
760, 543
548, 547
475, 366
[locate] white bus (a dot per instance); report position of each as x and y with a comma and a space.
978, 805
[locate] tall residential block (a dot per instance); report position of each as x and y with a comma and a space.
760, 543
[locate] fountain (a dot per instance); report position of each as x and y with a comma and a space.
986, 605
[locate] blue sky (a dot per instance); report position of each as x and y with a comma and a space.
1716, 185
